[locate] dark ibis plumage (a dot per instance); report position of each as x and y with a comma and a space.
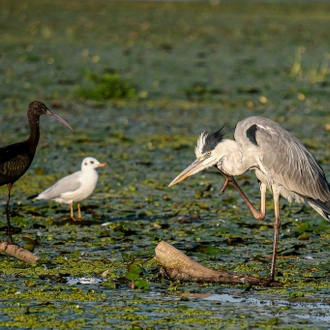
16, 158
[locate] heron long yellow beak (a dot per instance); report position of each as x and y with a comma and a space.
195, 167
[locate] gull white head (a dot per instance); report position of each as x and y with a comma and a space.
90, 163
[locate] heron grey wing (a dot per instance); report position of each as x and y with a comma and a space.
304, 175
287, 161
67, 184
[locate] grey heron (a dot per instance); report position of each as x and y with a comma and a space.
279, 160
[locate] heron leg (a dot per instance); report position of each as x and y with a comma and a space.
277, 225
10, 238
260, 215
225, 184
263, 190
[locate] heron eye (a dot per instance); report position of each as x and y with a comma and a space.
208, 153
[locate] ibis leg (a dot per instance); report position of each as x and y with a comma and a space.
260, 215
10, 239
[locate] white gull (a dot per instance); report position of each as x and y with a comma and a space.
75, 187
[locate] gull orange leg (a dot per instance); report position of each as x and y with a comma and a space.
79, 212
71, 212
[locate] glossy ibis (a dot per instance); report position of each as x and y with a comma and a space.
16, 158
75, 187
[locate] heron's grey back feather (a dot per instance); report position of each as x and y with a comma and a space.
283, 159
67, 184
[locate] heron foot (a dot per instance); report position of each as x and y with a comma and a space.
269, 280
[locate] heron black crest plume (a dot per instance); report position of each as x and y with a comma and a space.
212, 140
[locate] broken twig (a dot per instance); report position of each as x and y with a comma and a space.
18, 252
177, 266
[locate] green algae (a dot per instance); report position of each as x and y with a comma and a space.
196, 66
109, 85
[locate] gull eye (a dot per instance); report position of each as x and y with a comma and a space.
85, 164
92, 161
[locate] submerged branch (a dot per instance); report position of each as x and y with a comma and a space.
18, 252
177, 266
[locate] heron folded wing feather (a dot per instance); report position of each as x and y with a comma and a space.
290, 164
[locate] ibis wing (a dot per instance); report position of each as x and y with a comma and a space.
13, 162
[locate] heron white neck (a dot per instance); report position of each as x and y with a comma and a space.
232, 161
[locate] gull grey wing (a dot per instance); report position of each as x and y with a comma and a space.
284, 158
67, 184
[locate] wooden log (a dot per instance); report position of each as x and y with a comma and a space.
177, 266
18, 252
